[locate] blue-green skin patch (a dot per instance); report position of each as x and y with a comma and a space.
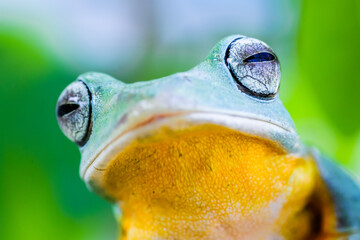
209, 87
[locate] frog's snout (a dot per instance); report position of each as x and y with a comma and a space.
73, 112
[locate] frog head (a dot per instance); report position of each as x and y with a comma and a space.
187, 126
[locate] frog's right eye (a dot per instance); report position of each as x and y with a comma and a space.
73, 112
254, 67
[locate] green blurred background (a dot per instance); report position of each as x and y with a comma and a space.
45, 45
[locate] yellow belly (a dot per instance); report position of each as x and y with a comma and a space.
209, 182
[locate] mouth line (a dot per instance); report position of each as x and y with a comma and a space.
158, 117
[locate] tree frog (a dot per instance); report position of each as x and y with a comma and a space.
210, 153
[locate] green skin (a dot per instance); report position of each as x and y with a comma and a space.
207, 93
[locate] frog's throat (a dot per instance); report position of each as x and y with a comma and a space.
207, 180
92, 172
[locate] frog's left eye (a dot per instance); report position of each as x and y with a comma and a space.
254, 66
73, 112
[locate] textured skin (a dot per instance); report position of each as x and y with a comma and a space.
344, 194
194, 156
205, 182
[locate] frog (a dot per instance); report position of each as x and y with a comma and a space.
210, 153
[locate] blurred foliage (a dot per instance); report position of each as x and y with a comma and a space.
327, 47
328, 50
42, 196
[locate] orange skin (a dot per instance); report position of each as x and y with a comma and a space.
209, 182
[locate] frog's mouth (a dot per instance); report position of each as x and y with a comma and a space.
93, 173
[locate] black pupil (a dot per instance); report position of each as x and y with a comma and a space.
260, 57
67, 108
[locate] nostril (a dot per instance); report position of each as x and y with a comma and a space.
67, 108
